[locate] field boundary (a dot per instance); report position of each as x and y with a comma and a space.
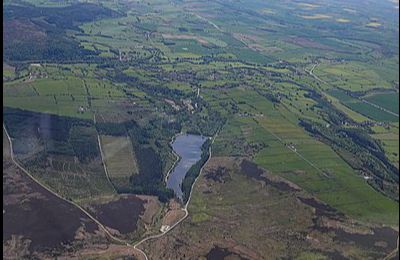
104, 163
379, 107
361, 99
298, 154
102, 155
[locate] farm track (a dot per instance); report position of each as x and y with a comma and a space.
102, 156
208, 21
299, 154
379, 107
104, 163
313, 75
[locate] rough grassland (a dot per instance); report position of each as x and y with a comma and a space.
267, 219
119, 157
28, 208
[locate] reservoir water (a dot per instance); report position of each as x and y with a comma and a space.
188, 147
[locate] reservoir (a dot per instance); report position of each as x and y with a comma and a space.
188, 147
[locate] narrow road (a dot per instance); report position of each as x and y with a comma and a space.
313, 75
185, 208
102, 156
206, 20
120, 241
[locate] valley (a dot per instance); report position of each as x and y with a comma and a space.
201, 129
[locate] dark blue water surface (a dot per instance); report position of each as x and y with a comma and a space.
188, 147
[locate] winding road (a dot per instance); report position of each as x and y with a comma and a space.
185, 208
56, 194
313, 75
120, 241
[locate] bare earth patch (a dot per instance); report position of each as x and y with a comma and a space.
342, 20
308, 6
374, 24
152, 206
316, 17
173, 213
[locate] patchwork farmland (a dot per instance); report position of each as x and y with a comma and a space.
299, 99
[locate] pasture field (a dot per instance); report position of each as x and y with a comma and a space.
355, 76
192, 47
357, 117
323, 173
119, 158
372, 112
49, 105
291, 153
390, 101
67, 86
363, 108
390, 141
60, 97
66, 93
285, 85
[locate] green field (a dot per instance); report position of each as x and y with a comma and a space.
355, 76
119, 159
8, 71
365, 108
390, 101
307, 91
315, 167
390, 142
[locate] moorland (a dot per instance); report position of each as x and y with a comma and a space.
300, 99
